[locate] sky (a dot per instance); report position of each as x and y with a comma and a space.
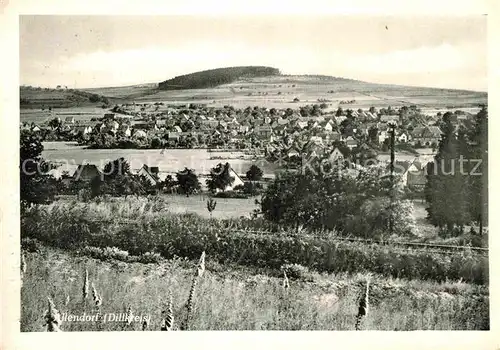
98, 51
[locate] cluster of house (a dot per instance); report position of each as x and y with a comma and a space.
242, 127
265, 129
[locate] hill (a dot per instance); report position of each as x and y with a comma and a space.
215, 77
260, 86
45, 98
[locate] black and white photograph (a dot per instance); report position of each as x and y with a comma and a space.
253, 173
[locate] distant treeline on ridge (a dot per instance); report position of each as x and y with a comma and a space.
215, 77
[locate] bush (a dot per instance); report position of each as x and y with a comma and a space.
233, 241
149, 257
296, 271
250, 188
231, 194
31, 244
106, 253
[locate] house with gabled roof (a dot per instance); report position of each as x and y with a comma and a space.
302, 124
371, 115
82, 129
173, 136
351, 142
35, 128
426, 135
150, 173
336, 155
263, 131
139, 134
411, 174
86, 172
125, 130
385, 118
327, 126
403, 137
69, 120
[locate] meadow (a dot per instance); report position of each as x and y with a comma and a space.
229, 297
279, 92
141, 259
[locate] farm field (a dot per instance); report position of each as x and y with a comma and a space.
279, 92
230, 297
80, 114
226, 208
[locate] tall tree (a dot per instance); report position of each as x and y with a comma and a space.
35, 186
220, 177
447, 186
188, 181
254, 173
478, 193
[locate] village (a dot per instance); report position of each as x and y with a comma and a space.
284, 136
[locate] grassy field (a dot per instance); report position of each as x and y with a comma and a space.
280, 91
229, 297
226, 207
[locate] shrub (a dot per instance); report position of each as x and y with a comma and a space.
232, 241
31, 244
250, 188
231, 194
150, 257
106, 253
296, 271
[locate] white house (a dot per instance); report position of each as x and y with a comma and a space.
340, 119
316, 140
150, 173
238, 181
302, 124
403, 137
382, 136
125, 129
328, 127
140, 134
351, 142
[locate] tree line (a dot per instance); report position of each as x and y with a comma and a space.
457, 180
215, 77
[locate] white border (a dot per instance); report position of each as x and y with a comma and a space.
11, 338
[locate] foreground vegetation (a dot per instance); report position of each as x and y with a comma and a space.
147, 227
229, 297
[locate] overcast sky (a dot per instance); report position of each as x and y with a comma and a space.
93, 51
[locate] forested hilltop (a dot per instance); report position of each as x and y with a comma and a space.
215, 77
